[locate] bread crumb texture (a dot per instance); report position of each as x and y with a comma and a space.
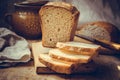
57, 24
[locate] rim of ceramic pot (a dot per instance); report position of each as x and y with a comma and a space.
30, 4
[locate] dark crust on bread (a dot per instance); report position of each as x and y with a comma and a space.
76, 18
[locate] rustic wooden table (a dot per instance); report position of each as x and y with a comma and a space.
26, 71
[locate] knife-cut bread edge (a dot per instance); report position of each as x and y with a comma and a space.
78, 47
66, 68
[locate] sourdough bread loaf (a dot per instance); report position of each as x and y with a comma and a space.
58, 22
78, 48
100, 30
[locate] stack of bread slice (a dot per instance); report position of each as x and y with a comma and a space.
69, 57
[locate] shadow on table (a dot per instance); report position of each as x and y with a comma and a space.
102, 73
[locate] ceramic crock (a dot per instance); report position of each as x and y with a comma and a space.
25, 20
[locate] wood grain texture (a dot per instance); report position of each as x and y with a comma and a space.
26, 71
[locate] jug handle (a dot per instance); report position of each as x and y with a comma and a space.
8, 18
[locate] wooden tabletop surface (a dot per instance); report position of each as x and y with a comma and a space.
26, 71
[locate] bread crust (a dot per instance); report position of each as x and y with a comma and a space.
76, 18
110, 28
60, 4
75, 14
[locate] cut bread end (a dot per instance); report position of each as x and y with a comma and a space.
56, 26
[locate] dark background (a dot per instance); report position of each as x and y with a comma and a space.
6, 6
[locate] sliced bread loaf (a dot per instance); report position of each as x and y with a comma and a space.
78, 47
66, 68
65, 56
100, 30
58, 22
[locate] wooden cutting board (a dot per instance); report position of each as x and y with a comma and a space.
37, 49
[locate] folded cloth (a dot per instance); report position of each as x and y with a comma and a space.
13, 48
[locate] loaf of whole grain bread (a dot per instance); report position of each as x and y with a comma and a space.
58, 22
100, 30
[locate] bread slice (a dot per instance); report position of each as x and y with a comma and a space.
65, 56
78, 47
66, 68
55, 65
58, 22
100, 30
